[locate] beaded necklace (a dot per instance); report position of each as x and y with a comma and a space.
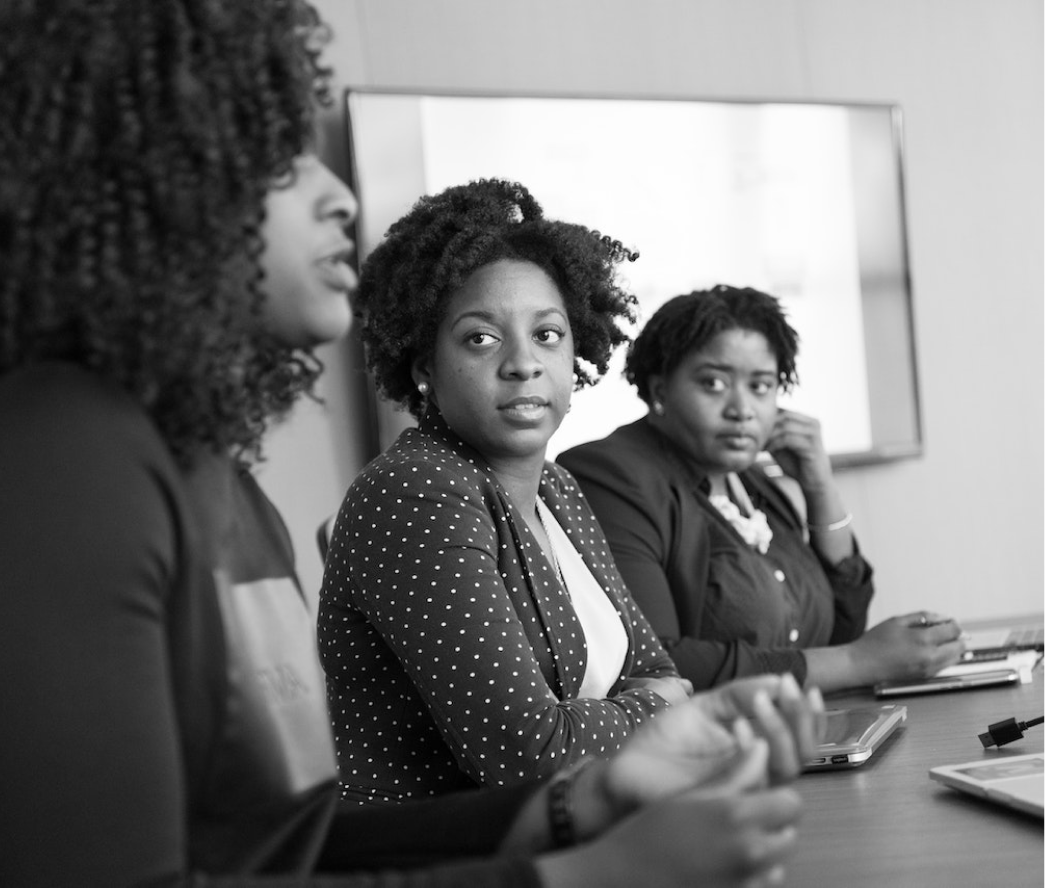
738, 510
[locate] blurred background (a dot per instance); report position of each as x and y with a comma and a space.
958, 529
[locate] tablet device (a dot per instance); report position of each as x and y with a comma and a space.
853, 735
947, 683
981, 643
1013, 781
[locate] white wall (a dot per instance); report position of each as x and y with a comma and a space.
959, 530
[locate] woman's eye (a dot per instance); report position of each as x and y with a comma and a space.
480, 338
761, 388
713, 384
549, 335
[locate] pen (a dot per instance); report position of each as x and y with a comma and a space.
925, 623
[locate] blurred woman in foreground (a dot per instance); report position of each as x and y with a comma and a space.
170, 252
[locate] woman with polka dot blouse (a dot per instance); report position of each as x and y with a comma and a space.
473, 626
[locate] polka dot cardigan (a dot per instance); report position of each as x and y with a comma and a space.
453, 654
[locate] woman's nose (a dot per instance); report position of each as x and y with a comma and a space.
738, 407
339, 202
521, 360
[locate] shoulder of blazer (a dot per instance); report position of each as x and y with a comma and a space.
638, 457
417, 462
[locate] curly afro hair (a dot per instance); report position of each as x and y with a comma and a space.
137, 143
684, 324
407, 281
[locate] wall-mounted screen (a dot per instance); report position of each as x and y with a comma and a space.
804, 201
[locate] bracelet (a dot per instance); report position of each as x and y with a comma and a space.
560, 805
834, 525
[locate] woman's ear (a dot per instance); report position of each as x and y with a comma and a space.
421, 373
656, 389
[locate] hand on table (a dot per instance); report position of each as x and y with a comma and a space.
689, 797
706, 741
792, 722
910, 646
737, 835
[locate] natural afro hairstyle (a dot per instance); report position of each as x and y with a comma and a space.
686, 324
138, 140
427, 255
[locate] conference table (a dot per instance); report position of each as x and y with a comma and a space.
886, 823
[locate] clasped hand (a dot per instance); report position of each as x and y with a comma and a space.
702, 741
698, 794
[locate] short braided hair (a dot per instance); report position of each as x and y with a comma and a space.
685, 324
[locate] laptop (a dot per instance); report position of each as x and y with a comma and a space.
852, 736
950, 679
986, 644
1016, 781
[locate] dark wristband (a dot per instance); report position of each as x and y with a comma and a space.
560, 805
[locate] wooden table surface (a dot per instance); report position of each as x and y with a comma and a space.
887, 824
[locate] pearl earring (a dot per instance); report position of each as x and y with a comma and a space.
658, 408
422, 387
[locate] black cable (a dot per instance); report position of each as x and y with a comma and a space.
1007, 731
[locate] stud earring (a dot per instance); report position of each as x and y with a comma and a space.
423, 387
658, 408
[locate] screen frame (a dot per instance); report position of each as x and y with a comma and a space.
388, 420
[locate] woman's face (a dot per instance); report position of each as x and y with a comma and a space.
308, 279
502, 369
720, 402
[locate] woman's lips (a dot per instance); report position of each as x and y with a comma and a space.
336, 269
526, 409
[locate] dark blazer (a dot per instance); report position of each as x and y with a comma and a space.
453, 654
722, 609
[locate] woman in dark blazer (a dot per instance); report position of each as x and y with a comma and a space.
737, 576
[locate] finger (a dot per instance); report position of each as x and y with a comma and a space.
943, 632
770, 830
783, 757
735, 699
745, 772
927, 619
948, 654
777, 845
816, 705
799, 716
743, 733
790, 439
814, 723
919, 620
774, 876
771, 809
765, 858
791, 705
793, 416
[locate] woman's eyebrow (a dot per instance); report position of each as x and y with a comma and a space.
483, 315
477, 314
724, 367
